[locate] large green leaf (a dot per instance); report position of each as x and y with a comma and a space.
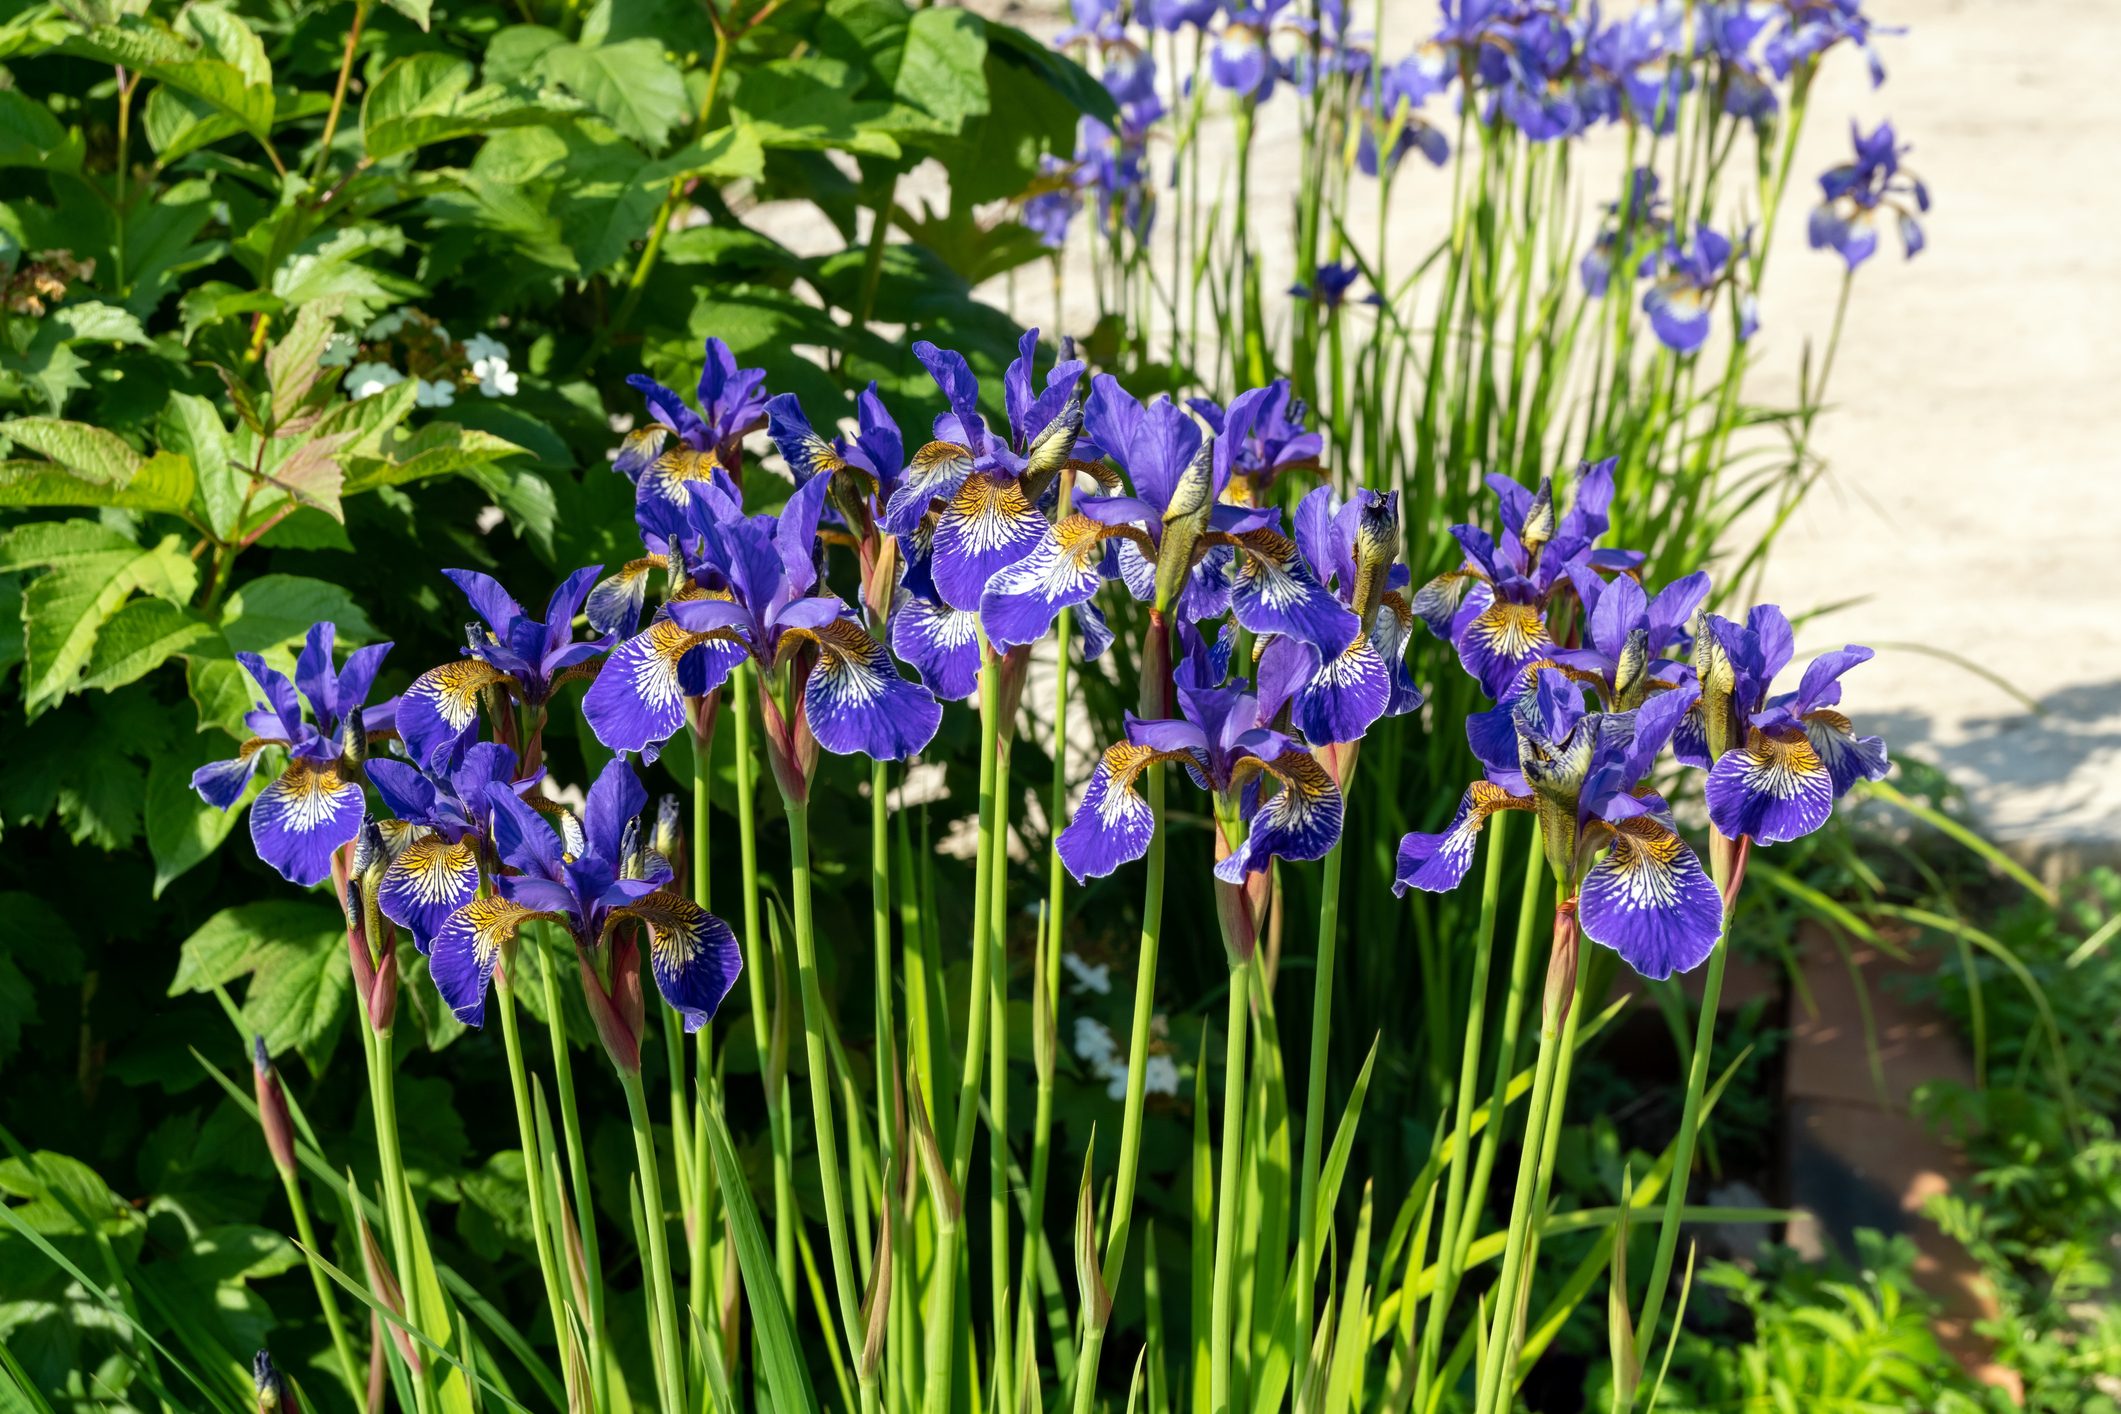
31, 137
294, 952
941, 80
631, 85
89, 573
809, 104
428, 98
210, 54
90, 453
189, 425
139, 638
275, 610
163, 482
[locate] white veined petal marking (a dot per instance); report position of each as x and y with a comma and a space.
454, 690
991, 515
1265, 565
1511, 630
1782, 767
655, 670
852, 666
434, 871
1644, 864
309, 797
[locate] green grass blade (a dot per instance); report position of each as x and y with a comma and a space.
781, 1358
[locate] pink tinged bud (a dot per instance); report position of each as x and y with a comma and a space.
1089, 1272
621, 1036
274, 1396
273, 1117
1561, 966
383, 996
784, 747
364, 965
876, 1304
1156, 668
942, 1192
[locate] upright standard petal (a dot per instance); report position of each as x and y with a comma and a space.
1774, 788
440, 711
856, 702
468, 947
1436, 863
428, 881
986, 527
1649, 900
303, 818
693, 954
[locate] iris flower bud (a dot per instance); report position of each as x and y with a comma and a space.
1185, 517
273, 1116
274, 1397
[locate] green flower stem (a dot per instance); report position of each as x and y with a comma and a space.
819, 1064
700, 1218
585, 1213
977, 1011
397, 1205
1506, 1053
997, 845
655, 1261
880, 934
342, 1346
1725, 863
1315, 1092
1220, 1337
740, 709
1450, 1256
533, 1162
1510, 1281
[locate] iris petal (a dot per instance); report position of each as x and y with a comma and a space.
1774, 788
440, 711
303, 818
1300, 821
1849, 758
1649, 900
1022, 601
222, 783
429, 880
468, 947
986, 527
1113, 824
856, 702
940, 643
1437, 863
1275, 592
639, 697
693, 954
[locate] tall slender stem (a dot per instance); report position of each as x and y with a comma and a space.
533, 1162
880, 937
655, 1262
578, 1174
819, 1064
998, 1047
338, 92
977, 1011
1315, 1104
341, 1343
397, 1205
700, 1217
1221, 1337
740, 709
1727, 864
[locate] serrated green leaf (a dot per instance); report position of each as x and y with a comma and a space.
139, 638
190, 426
301, 992
275, 610
221, 690
808, 104
428, 98
630, 85
229, 944
291, 364
64, 609
438, 449
88, 452
163, 482
942, 73
418, 11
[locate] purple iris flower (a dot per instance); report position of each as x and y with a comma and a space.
862, 474
1811, 27
1776, 762
1641, 220
435, 870
1243, 61
753, 588
1392, 123
1493, 608
1173, 15
1682, 299
1052, 208
522, 656
1223, 740
1630, 634
1352, 548
709, 449
1275, 441
1846, 219
1114, 163
314, 807
1538, 88
1633, 67
1583, 775
1097, 20
1730, 33
988, 486
1330, 285
1194, 545
1334, 51
592, 881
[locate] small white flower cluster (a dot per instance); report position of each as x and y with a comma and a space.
1098, 1049
489, 364
1088, 977
487, 356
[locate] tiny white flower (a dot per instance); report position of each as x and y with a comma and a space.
365, 380
1088, 977
620, 423
1095, 1046
1116, 1083
480, 347
339, 350
434, 395
1160, 1076
496, 378
386, 325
